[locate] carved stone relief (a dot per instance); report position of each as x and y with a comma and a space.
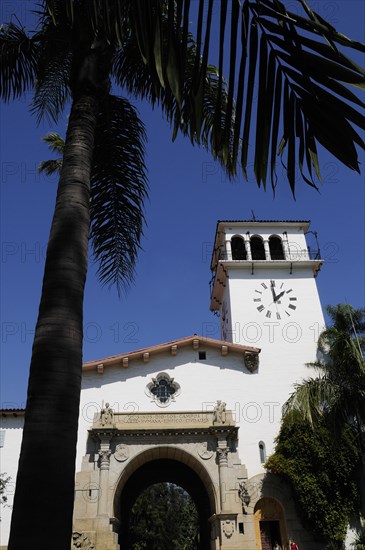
219, 413
228, 528
204, 452
251, 361
121, 453
80, 540
106, 416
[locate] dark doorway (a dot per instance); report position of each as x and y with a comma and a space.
269, 534
165, 471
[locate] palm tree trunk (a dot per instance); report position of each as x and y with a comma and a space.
43, 502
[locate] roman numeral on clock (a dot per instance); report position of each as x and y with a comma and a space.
260, 308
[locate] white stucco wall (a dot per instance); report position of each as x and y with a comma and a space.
255, 398
9, 455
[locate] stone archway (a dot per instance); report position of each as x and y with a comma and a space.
173, 471
270, 525
127, 452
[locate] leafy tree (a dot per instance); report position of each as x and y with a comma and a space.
338, 392
78, 50
163, 517
322, 472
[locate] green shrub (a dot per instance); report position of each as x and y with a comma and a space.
321, 469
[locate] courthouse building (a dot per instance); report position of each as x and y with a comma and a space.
201, 412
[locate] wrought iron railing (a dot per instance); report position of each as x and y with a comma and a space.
293, 254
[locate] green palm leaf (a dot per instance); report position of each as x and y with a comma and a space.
18, 61
300, 47
338, 392
53, 77
118, 191
55, 142
50, 167
57, 145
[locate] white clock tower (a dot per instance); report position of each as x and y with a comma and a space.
265, 292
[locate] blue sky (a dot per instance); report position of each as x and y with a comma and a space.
169, 298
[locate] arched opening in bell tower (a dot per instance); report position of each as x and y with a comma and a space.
238, 248
276, 248
148, 471
257, 248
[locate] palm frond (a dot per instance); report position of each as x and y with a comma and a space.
118, 191
309, 80
195, 119
339, 389
18, 61
293, 61
50, 167
55, 142
53, 73
312, 398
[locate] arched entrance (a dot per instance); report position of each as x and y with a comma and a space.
270, 525
196, 450
165, 470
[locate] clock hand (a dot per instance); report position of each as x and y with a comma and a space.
273, 291
279, 296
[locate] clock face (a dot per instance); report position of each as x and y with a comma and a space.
275, 299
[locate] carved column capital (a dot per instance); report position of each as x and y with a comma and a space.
222, 453
104, 458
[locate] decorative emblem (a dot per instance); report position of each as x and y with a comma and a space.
204, 452
251, 361
163, 389
219, 413
228, 528
80, 540
121, 453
